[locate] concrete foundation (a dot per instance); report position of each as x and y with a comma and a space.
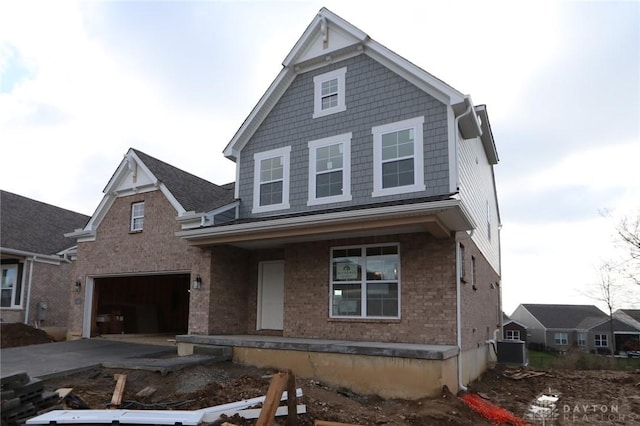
391, 371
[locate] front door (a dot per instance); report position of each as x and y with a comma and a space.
271, 295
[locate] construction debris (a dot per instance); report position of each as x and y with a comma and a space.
154, 417
24, 397
116, 400
147, 391
521, 374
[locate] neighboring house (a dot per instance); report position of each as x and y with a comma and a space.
631, 340
36, 257
512, 329
562, 327
360, 243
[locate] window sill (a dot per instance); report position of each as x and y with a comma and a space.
270, 208
366, 320
136, 232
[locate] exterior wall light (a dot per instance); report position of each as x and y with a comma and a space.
197, 282
78, 286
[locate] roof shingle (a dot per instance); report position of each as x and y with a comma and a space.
36, 227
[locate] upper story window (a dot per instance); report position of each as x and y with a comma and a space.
329, 91
271, 180
330, 170
137, 216
11, 286
365, 281
398, 165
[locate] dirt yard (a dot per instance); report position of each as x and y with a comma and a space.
585, 397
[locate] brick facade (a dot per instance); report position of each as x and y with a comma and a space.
428, 292
481, 307
117, 251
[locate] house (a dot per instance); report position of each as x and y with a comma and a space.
561, 327
631, 339
359, 244
36, 261
512, 329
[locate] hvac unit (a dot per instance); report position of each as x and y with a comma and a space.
512, 352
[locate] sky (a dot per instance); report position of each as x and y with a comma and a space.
82, 82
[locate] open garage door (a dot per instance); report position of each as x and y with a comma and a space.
144, 304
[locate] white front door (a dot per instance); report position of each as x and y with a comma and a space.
271, 295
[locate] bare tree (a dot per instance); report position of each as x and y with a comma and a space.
628, 231
608, 290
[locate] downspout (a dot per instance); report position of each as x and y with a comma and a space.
461, 385
28, 301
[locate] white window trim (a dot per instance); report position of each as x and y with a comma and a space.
510, 334
134, 217
13, 305
317, 90
418, 171
345, 140
363, 281
285, 153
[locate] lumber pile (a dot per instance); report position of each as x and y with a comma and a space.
24, 397
523, 374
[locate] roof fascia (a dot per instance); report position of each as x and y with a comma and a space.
38, 257
515, 322
488, 142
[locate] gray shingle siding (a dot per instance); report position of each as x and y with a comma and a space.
374, 96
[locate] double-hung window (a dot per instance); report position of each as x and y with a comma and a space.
137, 217
330, 170
601, 340
271, 180
329, 91
561, 338
398, 165
11, 285
365, 282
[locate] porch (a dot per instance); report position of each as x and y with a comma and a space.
390, 370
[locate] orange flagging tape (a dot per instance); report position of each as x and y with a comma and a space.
491, 411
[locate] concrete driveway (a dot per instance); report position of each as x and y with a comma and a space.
52, 359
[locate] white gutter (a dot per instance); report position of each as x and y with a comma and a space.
46, 258
325, 219
28, 301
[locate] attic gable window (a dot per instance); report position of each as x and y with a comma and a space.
271, 180
137, 217
330, 170
398, 157
329, 91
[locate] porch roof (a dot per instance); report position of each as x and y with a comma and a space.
440, 216
385, 349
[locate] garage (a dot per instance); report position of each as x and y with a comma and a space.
144, 304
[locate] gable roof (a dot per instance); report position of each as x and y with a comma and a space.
32, 226
193, 193
192, 197
329, 39
565, 316
618, 326
633, 313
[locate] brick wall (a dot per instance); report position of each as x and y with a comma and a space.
52, 284
117, 251
428, 310
481, 308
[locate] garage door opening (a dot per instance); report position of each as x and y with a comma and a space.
149, 304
